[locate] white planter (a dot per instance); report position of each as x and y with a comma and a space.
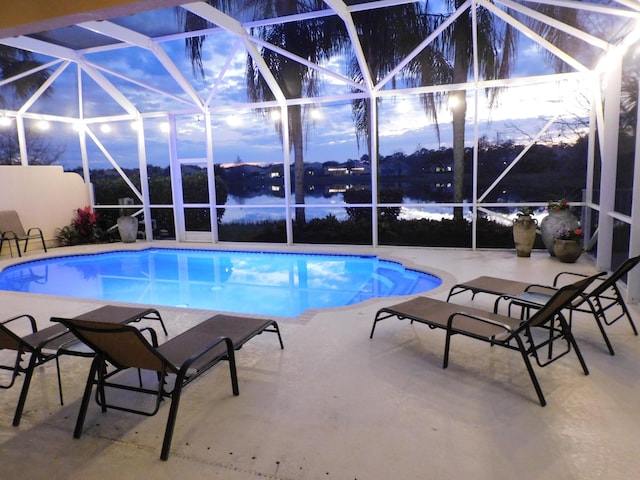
128, 228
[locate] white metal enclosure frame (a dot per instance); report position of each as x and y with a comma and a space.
604, 81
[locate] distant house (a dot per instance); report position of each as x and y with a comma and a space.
346, 169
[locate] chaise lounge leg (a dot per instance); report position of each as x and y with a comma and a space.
532, 373
378, 318
25, 389
277, 330
95, 365
573, 342
18, 247
59, 379
596, 310
604, 334
175, 399
447, 344
625, 310
232, 367
171, 421
373, 327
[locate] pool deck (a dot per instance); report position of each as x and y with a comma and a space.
335, 404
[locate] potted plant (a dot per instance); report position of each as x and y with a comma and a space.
568, 244
127, 224
83, 229
128, 228
559, 217
524, 232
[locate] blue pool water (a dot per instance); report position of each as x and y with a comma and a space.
283, 284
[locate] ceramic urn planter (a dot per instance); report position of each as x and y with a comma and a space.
556, 220
524, 234
128, 228
567, 251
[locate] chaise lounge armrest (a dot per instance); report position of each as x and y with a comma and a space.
479, 326
207, 355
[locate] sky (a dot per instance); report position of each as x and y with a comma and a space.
241, 134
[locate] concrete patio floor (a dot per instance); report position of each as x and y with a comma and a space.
336, 405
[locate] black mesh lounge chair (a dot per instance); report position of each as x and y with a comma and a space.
11, 230
604, 300
176, 363
39, 346
33, 345
499, 330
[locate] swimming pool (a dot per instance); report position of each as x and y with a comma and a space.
265, 283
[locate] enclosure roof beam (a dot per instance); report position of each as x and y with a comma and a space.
139, 40
230, 24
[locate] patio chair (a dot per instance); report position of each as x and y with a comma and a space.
499, 330
11, 230
603, 301
33, 344
52, 342
176, 363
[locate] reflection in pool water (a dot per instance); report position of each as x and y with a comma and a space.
283, 284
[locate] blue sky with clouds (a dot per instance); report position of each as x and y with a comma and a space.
252, 138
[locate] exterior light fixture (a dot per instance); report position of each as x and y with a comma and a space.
43, 125
5, 121
104, 128
404, 106
275, 115
233, 120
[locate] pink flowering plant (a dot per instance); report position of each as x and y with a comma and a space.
570, 234
85, 224
83, 229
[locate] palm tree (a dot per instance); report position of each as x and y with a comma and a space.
630, 93
313, 40
497, 48
495, 56
387, 36
13, 62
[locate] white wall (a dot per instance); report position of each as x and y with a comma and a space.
44, 196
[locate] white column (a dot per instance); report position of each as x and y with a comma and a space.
211, 178
144, 179
633, 279
176, 181
373, 164
609, 155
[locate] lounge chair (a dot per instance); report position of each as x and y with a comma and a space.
32, 344
604, 301
176, 362
52, 342
496, 329
11, 230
